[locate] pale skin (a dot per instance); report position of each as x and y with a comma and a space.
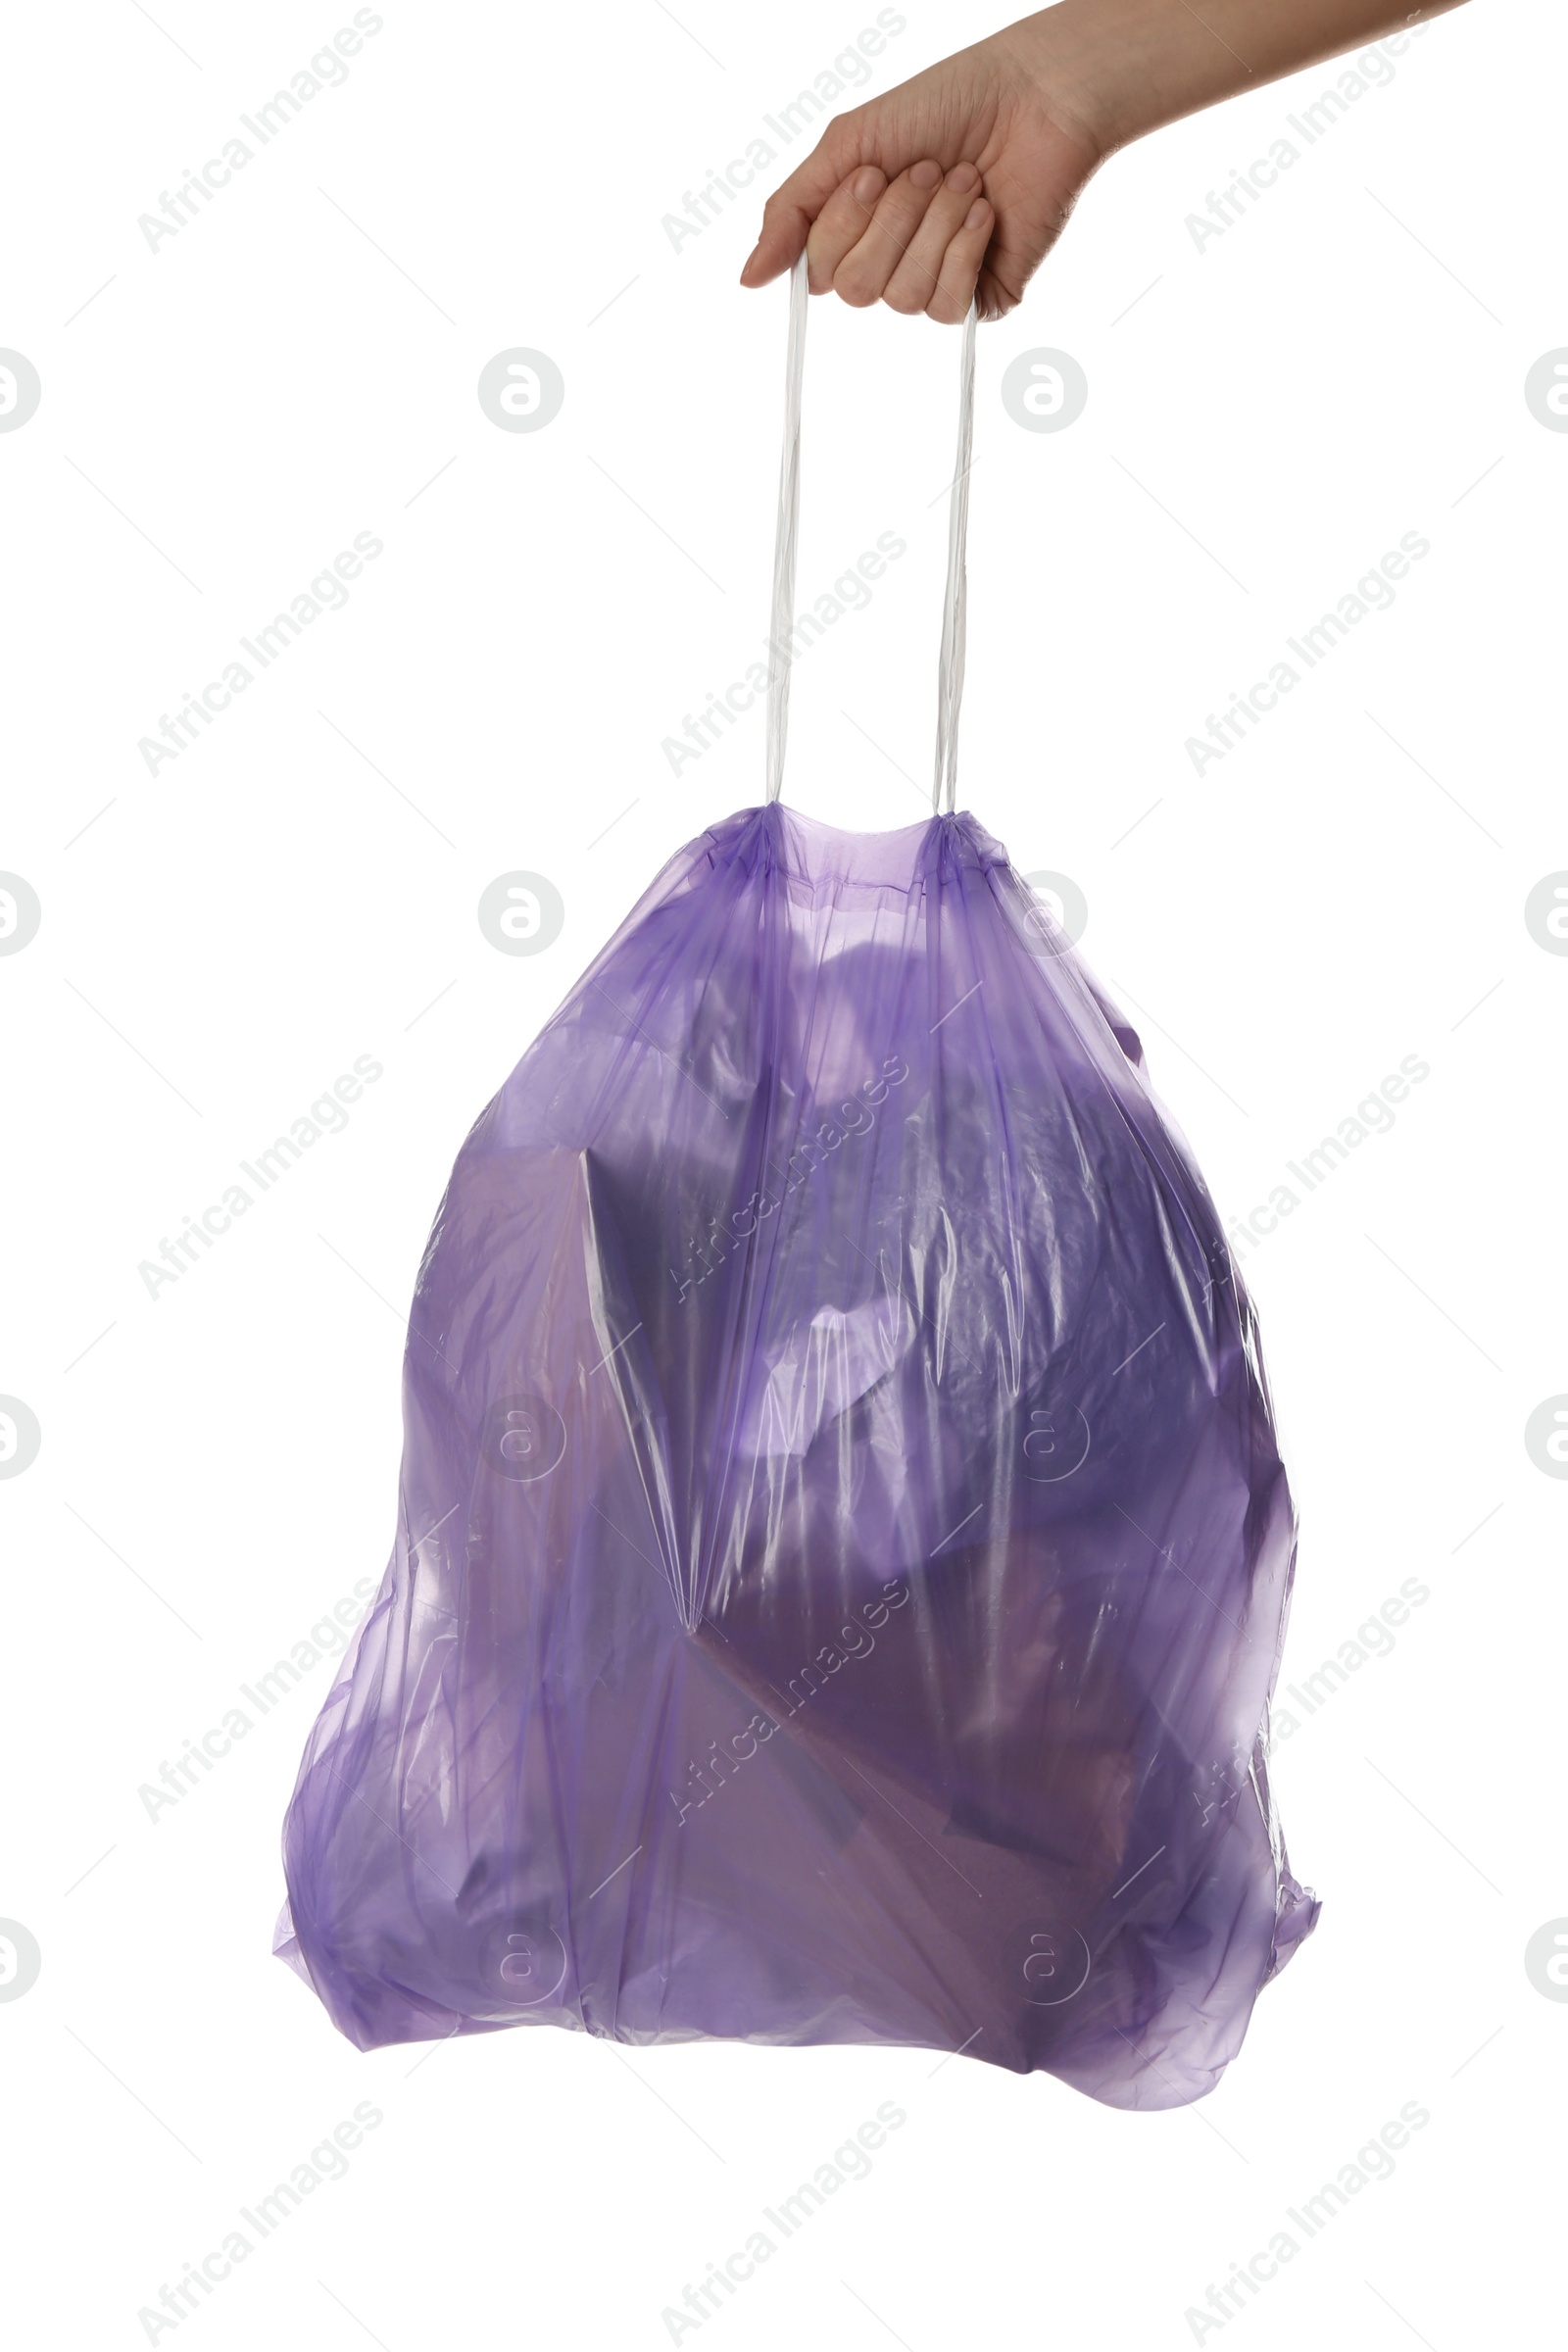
958, 182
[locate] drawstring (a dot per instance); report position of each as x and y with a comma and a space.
950, 669
785, 539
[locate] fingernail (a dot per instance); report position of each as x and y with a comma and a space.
961, 179
976, 212
926, 176
868, 185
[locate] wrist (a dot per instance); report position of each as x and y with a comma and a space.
1109, 72
1058, 58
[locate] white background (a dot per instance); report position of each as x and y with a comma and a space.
218, 1464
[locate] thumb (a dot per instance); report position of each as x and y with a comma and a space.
789, 211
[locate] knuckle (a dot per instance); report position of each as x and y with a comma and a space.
853, 290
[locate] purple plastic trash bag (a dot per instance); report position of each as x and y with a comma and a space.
842, 1553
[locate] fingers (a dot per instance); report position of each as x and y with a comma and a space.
943, 256
917, 242
863, 274
920, 249
960, 265
791, 210
841, 224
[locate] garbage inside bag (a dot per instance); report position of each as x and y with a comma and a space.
843, 1552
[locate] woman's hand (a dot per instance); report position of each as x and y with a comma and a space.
958, 182
960, 178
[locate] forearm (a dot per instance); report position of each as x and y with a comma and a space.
1118, 69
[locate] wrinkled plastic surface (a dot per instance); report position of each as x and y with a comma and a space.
842, 1553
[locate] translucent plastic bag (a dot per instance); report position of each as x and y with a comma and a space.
843, 1552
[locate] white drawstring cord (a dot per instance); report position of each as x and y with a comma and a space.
780, 654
